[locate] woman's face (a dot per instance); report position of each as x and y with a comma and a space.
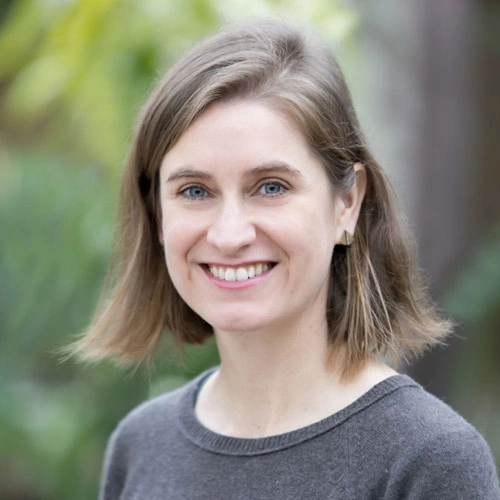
249, 221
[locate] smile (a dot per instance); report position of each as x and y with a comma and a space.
239, 273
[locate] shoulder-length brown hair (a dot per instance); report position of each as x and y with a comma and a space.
376, 303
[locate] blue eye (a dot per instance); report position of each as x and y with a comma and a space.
194, 192
271, 189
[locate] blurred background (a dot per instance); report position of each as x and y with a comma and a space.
425, 78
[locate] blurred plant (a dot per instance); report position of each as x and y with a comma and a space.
83, 66
473, 299
475, 293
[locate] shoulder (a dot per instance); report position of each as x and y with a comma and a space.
155, 416
139, 430
146, 433
153, 421
424, 448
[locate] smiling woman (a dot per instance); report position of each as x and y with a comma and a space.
256, 199
252, 210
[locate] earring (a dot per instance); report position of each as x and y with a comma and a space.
346, 239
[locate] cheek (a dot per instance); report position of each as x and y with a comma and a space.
173, 242
316, 224
180, 236
175, 262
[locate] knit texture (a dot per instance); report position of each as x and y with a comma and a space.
395, 442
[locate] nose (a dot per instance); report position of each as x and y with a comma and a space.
231, 230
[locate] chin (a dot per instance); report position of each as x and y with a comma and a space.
239, 321
239, 326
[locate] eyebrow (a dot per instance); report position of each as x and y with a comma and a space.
272, 167
188, 173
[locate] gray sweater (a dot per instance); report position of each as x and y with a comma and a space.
395, 442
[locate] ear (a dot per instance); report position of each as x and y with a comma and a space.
350, 203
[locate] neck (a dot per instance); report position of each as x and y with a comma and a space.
274, 382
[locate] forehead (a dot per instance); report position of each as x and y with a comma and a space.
242, 133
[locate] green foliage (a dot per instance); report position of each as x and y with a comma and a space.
72, 76
83, 66
56, 222
473, 298
475, 294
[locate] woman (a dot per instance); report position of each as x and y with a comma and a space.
252, 210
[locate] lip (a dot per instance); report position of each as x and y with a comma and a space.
236, 285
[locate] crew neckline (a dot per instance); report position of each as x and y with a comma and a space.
209, 440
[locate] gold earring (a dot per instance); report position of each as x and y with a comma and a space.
346, 239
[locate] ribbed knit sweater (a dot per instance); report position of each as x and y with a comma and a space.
395, 442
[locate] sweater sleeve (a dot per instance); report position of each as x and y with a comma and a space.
452, 466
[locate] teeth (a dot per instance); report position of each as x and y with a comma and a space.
251, 271
240, 273
230, 274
